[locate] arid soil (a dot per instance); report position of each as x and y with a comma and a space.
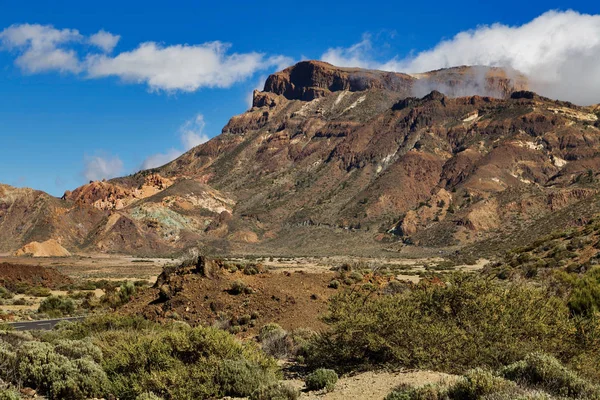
293, 300
49, 248
373, 385
33, 275
97, 266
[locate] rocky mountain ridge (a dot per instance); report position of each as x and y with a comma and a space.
332, 160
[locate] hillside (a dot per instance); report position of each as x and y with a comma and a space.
342, 160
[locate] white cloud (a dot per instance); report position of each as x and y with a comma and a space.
179, 67
42, 47
191, 135
192, 132
357, 55
160, 159
558, 51
102, 167
104, 40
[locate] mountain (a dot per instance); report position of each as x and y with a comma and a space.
343, 160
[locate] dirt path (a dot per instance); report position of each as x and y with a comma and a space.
373, 385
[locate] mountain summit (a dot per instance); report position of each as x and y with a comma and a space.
344, 160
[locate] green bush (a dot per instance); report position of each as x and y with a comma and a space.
585, 297
5, 293
276, 391
8, 362
40, 367
546, 372
477, 384
469, 322
267, 329
395, 287
9, 394
116, 298
148, 396
127, 291
427, 392
129, 357
322, 379
39, 291
355, 276
334, 284
57, 306
183, 363
239, 287
279, 343
538, 377
241, 378
75, 349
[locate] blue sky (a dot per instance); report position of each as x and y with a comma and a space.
103, 107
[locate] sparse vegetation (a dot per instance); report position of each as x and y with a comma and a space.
539, 376
239, 287
57, 306
131, 358
468, 322
322, 379
276, 391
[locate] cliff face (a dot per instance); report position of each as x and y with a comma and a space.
309, 80
341, 160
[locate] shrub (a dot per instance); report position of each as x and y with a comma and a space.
334, 284
321, 379
471, 321
5, 293
148, 396
355, 276
39, 366
183, 363
427, 392
9, 394
478, 383
57, 306
274, 340
8, 362
75, 349
395, 287
546, 372
39, 291
276, 391
127, 291
279, 343
267, 329
585, 297
239, 287
240, 378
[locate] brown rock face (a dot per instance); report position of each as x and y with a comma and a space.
309, 80
344, 161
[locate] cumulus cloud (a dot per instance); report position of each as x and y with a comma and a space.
558, 51
42, 48
191, 134
160, 159
358, 55
104, 40
179, 67
102, 167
